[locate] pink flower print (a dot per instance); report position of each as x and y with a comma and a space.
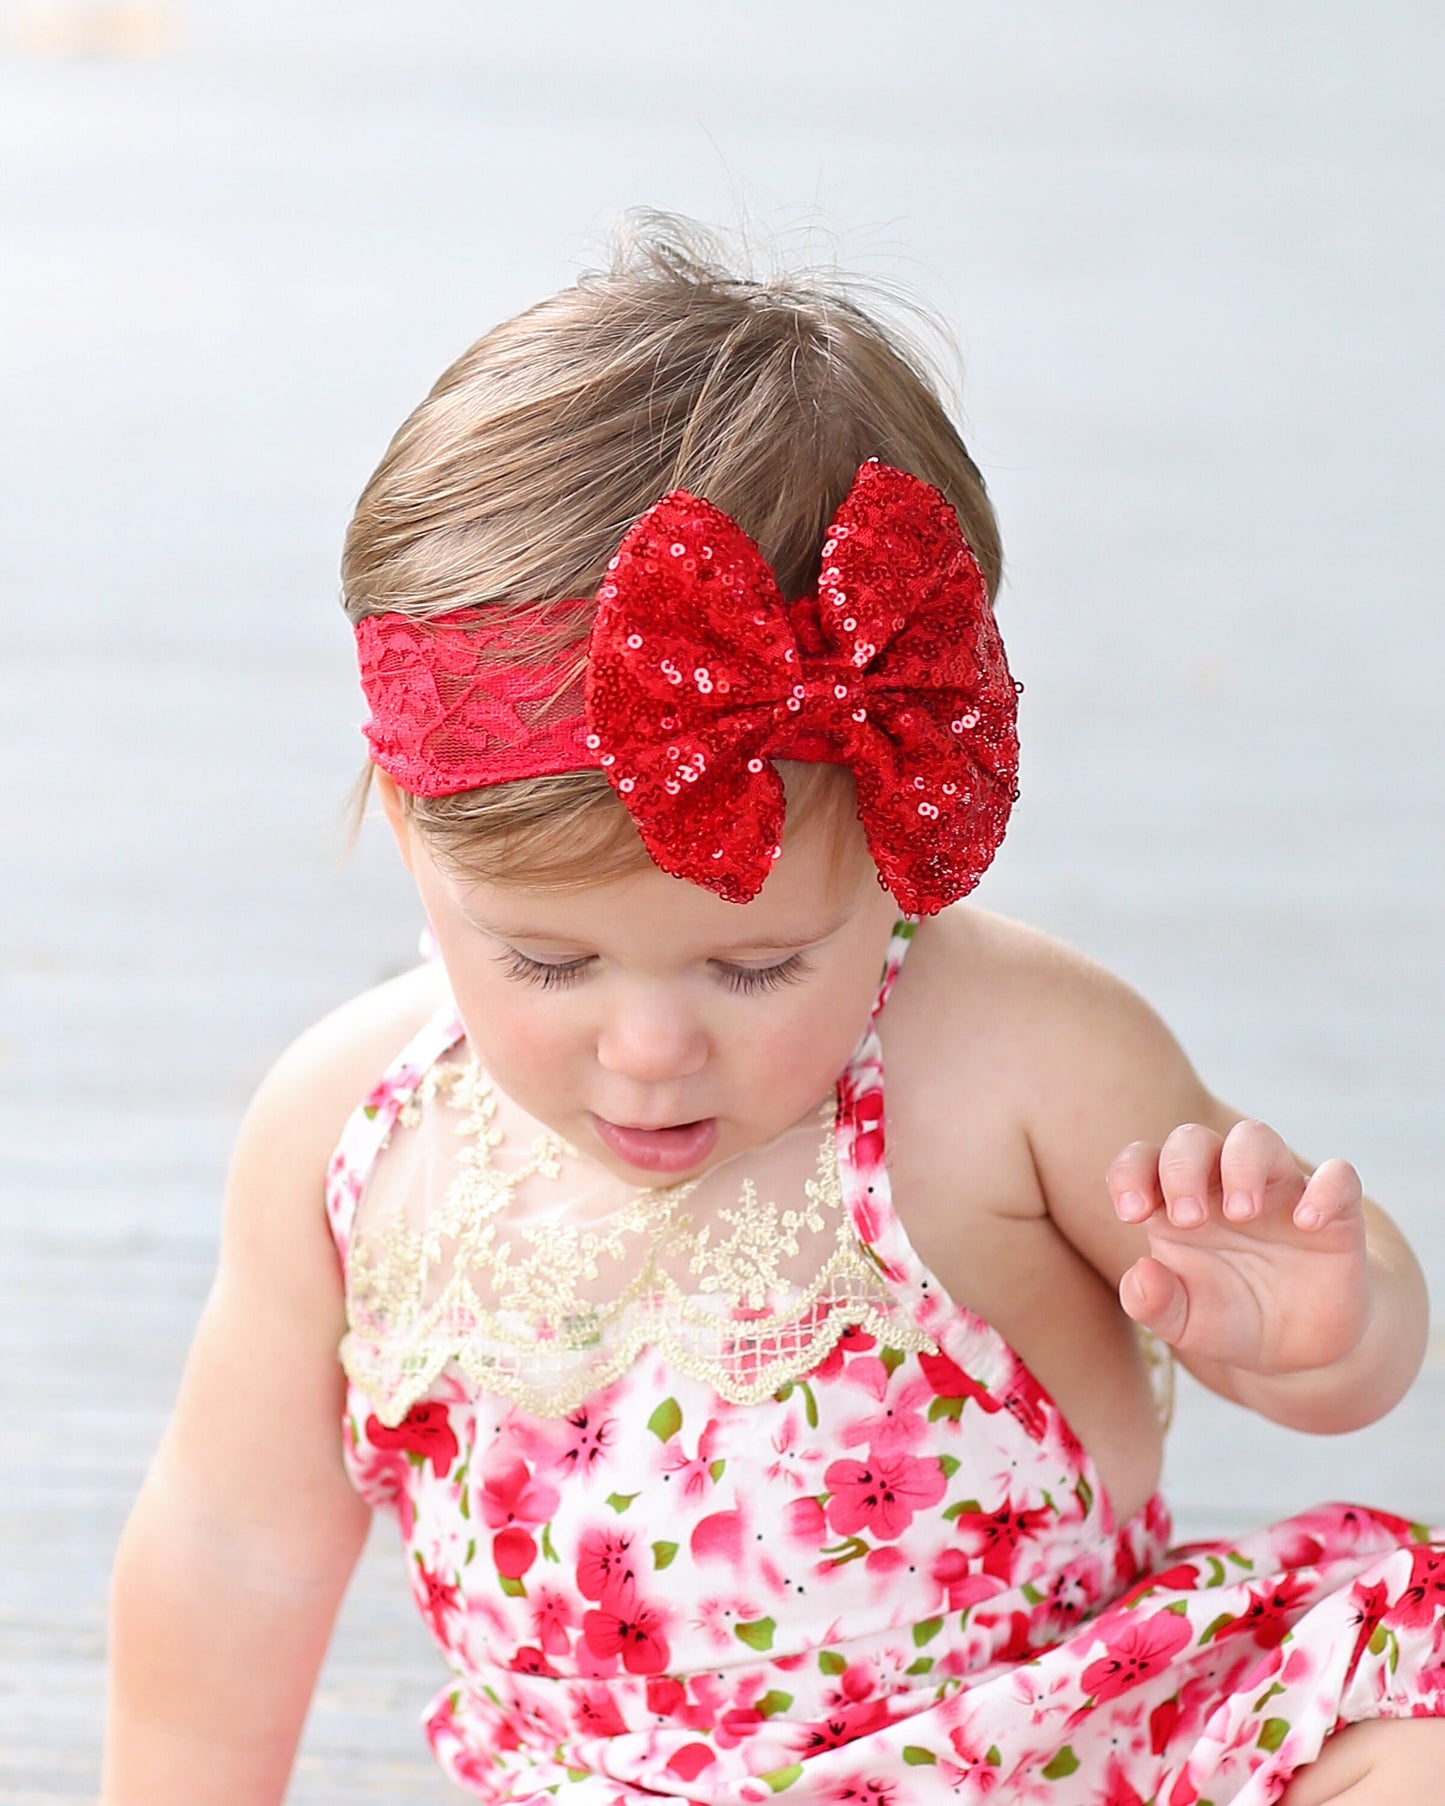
997, 1535
805, 1522
628, 1626
1423, 1596
715, 1618
842, 1725
1137, 1650
436, 1598
605, 1561
973, 1766
1181, 1579
512, 1495
532, 1661
425, 1431
665, 1693
719, 1537
869, 1372
1370, 1604
792, 1457
954, 1572
513, 1502
588, 1438
382, 1477
1118, 1790
885, 1560
596, 1715
899, 1427
1271, 1609
855, 1791
689, 1762
692, 1469
948, 1380
553, 1618
881, 1496
868, 1132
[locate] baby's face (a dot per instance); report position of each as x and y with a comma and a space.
654, 1026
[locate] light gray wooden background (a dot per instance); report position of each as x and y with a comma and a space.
1193, 255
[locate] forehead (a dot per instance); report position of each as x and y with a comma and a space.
814, 889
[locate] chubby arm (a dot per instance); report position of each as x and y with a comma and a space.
239, 1547
1319, 1325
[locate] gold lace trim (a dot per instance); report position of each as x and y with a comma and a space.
741, 1327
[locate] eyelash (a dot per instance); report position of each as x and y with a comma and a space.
745, 981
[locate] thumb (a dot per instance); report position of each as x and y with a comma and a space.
1155, 1298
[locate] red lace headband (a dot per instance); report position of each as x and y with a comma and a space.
699, 675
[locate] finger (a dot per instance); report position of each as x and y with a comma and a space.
1332, 1194
1155, 1298
1133, 1181
1189, 1173
1254, 1160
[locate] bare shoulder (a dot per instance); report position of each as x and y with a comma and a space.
993, 992
302, 1104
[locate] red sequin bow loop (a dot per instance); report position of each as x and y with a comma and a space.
700, 674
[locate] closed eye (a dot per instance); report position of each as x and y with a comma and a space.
750, 980
546, 975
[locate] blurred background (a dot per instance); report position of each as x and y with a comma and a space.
1193, 259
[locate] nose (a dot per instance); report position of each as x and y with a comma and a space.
652, 1039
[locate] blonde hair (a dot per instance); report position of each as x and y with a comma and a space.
513, 481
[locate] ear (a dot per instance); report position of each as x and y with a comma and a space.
386, 789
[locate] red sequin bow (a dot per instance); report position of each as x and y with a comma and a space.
700, 675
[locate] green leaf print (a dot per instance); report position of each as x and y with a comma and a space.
926, 1631
916, 1756
464, 1503
514, 1589
1085, 1495
1063, 1764
1217, 1576
758, 1634
945, 1407
1272, 1733
774, 1702
619, 1501
547, 1550
666, 1420
1215, 1625
1265, 1697
830, 1662
892, 1358
662, 1554
923, 1665
1032, 1593
715, 1472
949, 1464
782, 1778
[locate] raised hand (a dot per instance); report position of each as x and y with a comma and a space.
1253, 1261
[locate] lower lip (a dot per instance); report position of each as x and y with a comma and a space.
660, 1150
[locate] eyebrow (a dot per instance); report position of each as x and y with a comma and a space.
780, 943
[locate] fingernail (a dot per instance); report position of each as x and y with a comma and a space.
1188, 1212
1133, 1205
1239, 1205
1307, 1216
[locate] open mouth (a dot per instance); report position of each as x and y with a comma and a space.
671, 1150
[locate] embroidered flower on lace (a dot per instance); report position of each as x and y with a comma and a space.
506, 1303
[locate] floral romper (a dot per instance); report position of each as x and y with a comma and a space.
710, 1494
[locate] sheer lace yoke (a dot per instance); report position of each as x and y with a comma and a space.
484, 1243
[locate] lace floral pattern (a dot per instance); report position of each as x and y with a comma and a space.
506, 1304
